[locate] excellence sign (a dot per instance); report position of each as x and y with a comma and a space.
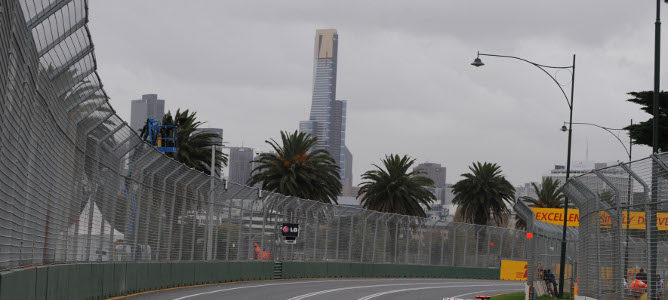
631, 220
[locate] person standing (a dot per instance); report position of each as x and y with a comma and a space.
638, 287
642, 275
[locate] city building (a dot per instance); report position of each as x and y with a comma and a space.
327, 119
616, 176
217, 131
526, 190
149, 106
240, 164
434, 171
348, 176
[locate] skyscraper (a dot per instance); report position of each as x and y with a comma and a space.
149, 106
240, 164
327, 120
434, 171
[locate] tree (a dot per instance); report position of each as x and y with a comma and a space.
296, 169
194, 147
549, 195
395, 189
483, 194
641, 133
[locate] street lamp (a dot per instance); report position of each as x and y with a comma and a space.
629, 198
477, 62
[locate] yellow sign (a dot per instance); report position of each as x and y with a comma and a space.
513, 270
556, 216
632, 220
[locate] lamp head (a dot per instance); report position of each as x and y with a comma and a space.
564, 128
477, 62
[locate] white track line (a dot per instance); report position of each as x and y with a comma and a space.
304, 296
479, 292
431, 287
254, 286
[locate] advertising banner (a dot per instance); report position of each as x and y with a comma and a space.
632, 220
513, 270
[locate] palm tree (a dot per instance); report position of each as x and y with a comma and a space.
549, 195
483, 194
296, 169
395, 189
194, 147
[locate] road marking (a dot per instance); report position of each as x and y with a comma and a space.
304, 296
431, 287
479, 292
262, 285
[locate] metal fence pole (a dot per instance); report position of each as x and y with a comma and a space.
174, 219
162, 205
408, 230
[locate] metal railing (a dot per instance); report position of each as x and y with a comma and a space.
77, 184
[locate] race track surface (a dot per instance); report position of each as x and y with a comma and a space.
331, 289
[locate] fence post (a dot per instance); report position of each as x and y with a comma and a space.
174, 219
408, 231
431, 237
364, 234
616, 239
350, 240
375, 235
338, 236
162, 207
454, 246
171, 215
140, 183
149, 211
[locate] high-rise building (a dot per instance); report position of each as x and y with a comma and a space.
149, 106
240, 164
218, 131
348, 176
434, 171
327, 120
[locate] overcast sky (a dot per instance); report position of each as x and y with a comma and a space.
404, 67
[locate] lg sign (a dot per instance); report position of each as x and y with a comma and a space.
290, 230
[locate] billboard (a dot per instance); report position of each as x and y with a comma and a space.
632, 220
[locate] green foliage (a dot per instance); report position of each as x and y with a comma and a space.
641, 133
549, 194
395, 189
193, 148
483, 194
295, 169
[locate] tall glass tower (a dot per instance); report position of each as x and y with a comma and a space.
327, 120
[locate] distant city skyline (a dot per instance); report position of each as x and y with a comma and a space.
409, 85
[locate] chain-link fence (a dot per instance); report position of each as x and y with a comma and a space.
544, 249
623, 229
78, 184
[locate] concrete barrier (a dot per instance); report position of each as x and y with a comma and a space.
103, 280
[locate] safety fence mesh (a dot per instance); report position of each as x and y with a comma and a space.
544, 249
78, 184
623, 228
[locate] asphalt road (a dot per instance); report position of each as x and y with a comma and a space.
330, 289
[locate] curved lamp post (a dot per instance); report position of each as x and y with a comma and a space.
477, 62
629, 202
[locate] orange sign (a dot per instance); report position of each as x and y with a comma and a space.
632, 220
